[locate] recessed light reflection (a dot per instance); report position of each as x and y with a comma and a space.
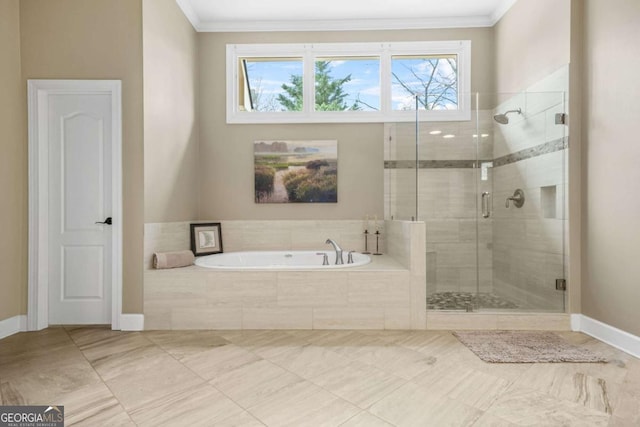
435, 132
485, 135
475, 136
448, 136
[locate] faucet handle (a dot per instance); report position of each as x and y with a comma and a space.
350, 257
517, 199
325, 259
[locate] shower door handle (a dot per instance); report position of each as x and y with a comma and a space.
485, 205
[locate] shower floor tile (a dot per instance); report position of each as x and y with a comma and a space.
465, 300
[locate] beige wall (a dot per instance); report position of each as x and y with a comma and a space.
96, 39
611, 239
226, 151
13, 166
531, 41
170, 128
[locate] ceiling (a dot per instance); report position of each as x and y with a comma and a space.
333, 15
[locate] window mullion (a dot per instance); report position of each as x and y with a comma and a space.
308, 81
385, 80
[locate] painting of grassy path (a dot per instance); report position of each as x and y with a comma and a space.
296, 171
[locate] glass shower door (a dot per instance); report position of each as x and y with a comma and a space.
522, 214
400, 171
492, 193
447, 203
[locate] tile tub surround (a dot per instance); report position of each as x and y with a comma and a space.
263, 236
389, 293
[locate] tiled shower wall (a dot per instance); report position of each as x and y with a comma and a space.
446, 196
520, 251
531, 153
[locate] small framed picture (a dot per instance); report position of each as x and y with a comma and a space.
206, 239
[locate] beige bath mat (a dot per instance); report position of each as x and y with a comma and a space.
524, 347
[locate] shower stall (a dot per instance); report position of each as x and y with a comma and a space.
492, 192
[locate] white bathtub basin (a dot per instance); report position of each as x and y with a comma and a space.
278, 260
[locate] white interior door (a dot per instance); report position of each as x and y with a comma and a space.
79, 133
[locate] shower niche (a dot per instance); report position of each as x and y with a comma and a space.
548, 196
456, 176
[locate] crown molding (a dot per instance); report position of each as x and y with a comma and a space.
192, 16
343, 24
502, 8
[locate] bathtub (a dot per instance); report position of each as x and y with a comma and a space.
278, 260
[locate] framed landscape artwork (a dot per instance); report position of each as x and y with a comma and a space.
296, 171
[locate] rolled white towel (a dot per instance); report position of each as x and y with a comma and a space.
176, 259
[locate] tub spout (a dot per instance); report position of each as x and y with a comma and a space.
338, 250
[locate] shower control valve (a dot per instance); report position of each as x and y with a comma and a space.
517, 199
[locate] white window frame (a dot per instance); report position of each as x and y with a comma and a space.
309, 52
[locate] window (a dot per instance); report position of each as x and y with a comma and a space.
432, 79
263, 81
348, 82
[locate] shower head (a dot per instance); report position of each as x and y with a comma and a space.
503, 119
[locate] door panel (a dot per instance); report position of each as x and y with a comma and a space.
79, 131
83, 193
82, 273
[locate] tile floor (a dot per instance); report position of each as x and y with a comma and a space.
307, 378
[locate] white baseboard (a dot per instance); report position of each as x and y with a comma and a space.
606, 333
575, 322
132, 322
13, 325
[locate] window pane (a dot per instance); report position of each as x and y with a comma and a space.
433, 79
346, 83
270, 84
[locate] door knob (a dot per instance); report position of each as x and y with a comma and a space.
106, 221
